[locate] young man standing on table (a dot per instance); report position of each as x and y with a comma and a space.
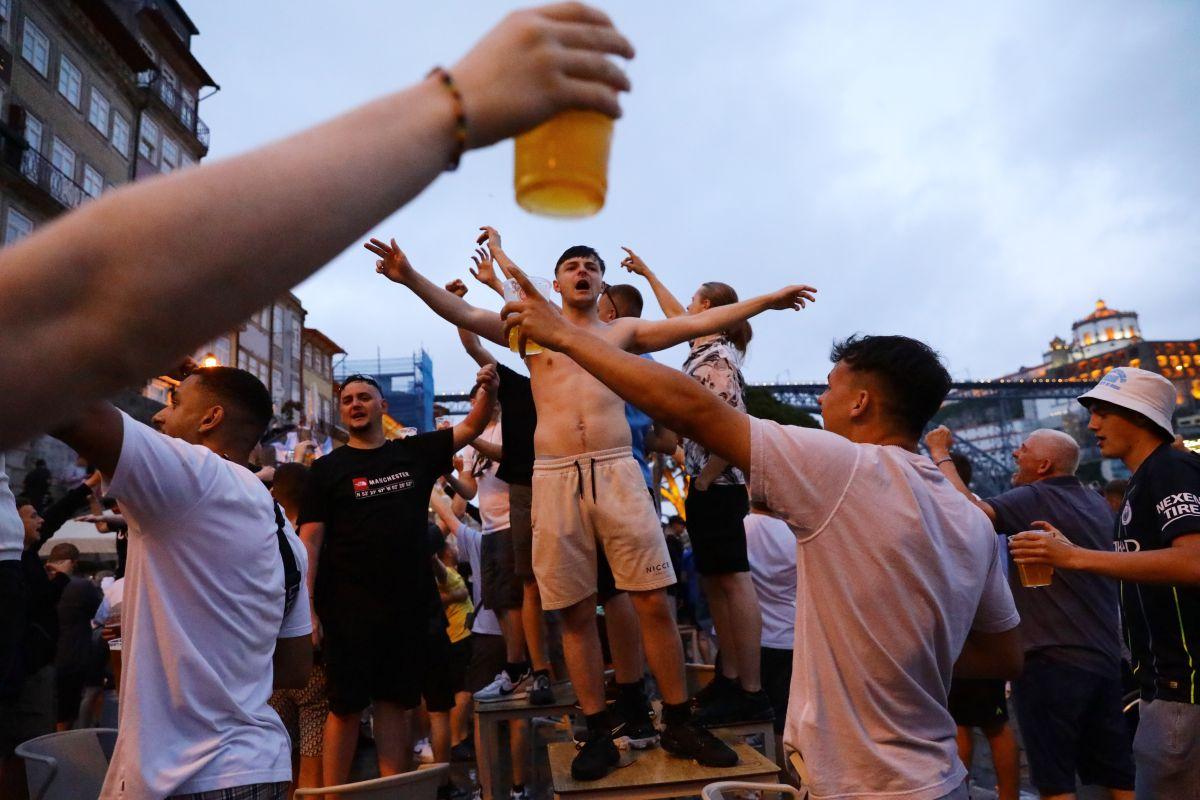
1157, 559
899, 578
588, 491
364, 520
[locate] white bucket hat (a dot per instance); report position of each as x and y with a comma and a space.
1145, 392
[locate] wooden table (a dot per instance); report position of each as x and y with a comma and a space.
488, 717
655, 774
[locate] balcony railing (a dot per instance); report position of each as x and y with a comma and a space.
40, 172
171, 97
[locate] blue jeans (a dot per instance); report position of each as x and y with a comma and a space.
1167, 751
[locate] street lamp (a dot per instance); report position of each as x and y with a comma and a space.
210, 361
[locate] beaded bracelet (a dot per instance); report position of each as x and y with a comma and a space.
460, 115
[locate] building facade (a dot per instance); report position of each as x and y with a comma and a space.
93, 94
1101, 341
321, 418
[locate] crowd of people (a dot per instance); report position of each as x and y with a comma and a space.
854, 583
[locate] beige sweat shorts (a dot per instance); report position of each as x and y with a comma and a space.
579, 501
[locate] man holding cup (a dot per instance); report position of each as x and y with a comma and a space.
588, 491
1157, 559
1068, 699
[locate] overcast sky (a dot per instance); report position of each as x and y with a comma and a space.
972, 174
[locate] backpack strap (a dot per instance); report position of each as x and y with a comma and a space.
291, 570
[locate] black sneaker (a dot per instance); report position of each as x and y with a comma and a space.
736, 708
540, 693
717, 688
463, 751
596, 758
448, 791
689, 740
637, 729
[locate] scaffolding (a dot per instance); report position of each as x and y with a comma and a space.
406, 384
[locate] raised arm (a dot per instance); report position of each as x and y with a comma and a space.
470, 341
394, 265
82, 300
668, 396
939, 441
482, 405
648, 336
670, 306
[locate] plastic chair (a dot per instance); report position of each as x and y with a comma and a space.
716, 791
420, 784
69, 765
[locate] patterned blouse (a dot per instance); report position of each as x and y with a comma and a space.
718, 365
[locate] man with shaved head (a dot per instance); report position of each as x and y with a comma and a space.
1068, 699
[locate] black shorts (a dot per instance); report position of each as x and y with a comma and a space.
501, 588
606, 585
459, 663
1072, 724
777, 681
379, 664
716, 524
520, 521
487, 659
978, 702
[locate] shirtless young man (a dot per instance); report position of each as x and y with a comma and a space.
588, 488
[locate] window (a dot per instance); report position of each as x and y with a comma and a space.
120, 134
93, 181
148, 141
323, 415
186, 161
98, 112
33, 132
35, 48
170, 155
33, 137
5, 16
17, 227
63, 157
70, 82
187, 108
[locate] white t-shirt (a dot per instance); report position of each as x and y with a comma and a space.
469, 547
771, 550
893, 569
203, 605
492, 498
12, 530
109, 612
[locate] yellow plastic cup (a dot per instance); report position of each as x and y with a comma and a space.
560, 168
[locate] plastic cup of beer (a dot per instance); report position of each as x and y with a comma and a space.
561, 166
513, 293
1036, 575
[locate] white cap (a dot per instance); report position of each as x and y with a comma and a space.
1145, 392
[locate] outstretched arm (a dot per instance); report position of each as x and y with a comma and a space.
1178, 564
394, 265
648, 336
470, 341
671, 307
82, 300
668, 396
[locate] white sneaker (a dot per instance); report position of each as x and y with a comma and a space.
503, 688
513, 794
423, 751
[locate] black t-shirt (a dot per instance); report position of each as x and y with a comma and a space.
516, 434
374, 562
1162, 622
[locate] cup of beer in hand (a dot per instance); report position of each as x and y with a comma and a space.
561, 166
512, 293
1036, 575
